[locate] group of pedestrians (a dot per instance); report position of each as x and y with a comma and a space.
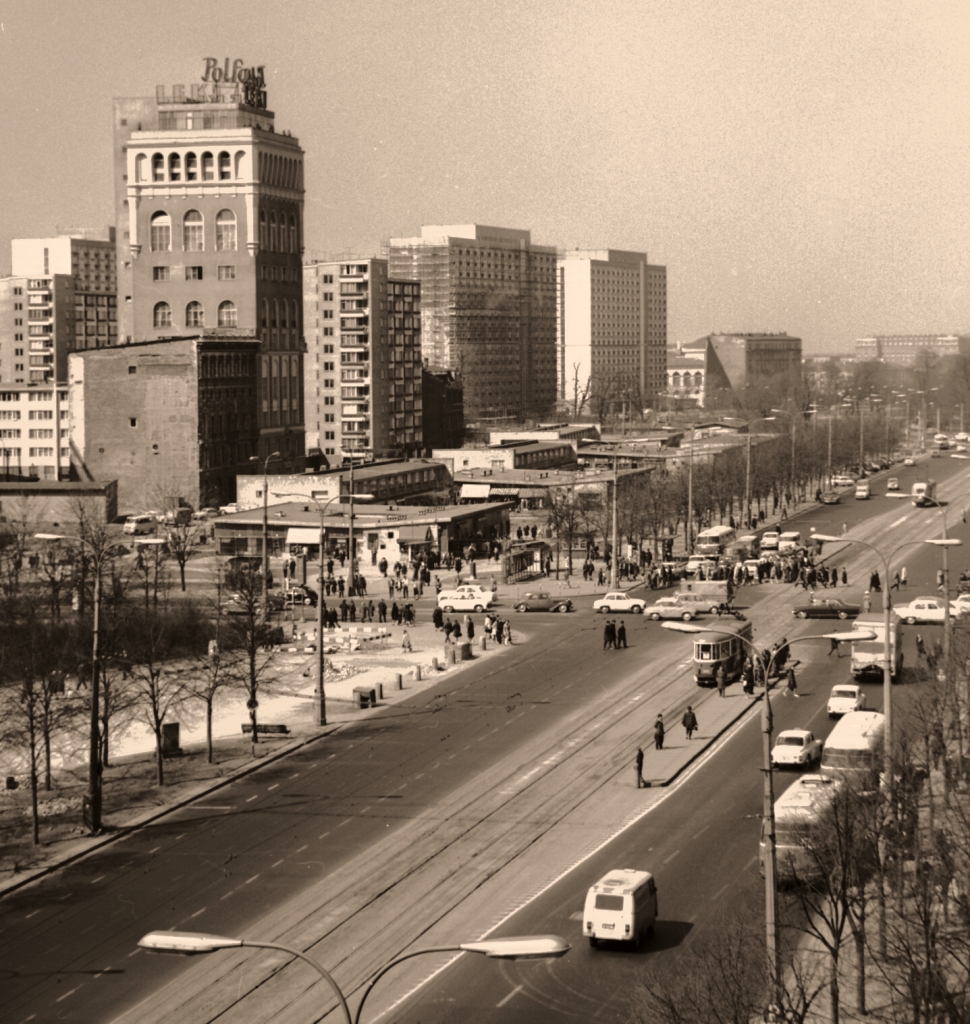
614, 635
688, 721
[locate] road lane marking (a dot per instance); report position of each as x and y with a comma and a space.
31, 914
671, 857
195, 915
323, 835
302, 848
277, 864
134, 952
212, 807
66, 994
98, 879
344, 822
275, 785
365, 810
255, 796
898, 521
702, 831
31, 1017
157, 848
294, 775
717, 895
228, 894
182, 836
514, 992
253, 879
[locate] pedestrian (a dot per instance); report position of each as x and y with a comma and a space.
845, 577
720, 677
920, 647
866, 602
902, 576
609, 635
792, 685
834, 648
895, 583
469, 627
658, 733
382, 614
621, 635
689, 721
406, 641
639, 764
507, 635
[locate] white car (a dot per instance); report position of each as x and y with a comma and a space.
846, 697
925, 609
892, 484
962, 436
463, 600
471, 588
909, 461
769, 540
843, 481
961, 602
617, 601
696, 561
668, 608
230, 509
796, 748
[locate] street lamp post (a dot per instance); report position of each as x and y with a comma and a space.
747, 470
517, 947
266, 462
615, 523
768, 795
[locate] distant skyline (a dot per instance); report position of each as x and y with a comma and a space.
797, 167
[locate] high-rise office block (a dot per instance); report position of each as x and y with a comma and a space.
214, 216
488, 313
612, 323
363, 362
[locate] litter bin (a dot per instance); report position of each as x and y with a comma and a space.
365, 697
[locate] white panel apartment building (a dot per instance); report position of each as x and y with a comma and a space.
34, 429
612, 330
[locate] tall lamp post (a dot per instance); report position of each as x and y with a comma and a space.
614, 521
516, 947
768, 799
747, 470
266, 462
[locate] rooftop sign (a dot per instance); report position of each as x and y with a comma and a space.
228, 82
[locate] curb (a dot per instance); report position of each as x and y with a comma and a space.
99, 841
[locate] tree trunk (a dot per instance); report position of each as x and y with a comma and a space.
47, 755
208, 727
834, 991
159, 759
860, 960
34, 810
182, 574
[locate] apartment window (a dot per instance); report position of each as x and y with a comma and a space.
132, 369
191, 167
227, 314
40, 434
41, 453
226, 231
262, 230
208, 171
293, 239
273, 239
133, 421
194, 315
227, 273
158, 167
162, 316
161, 232
174, 167
225, 172
193, 232
193, 273
161, 273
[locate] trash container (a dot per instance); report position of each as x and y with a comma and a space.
365, 697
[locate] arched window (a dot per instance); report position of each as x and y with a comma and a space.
208, 171
276, 314
273, 240
240, 164
227, 314
141, 162
265, 319
174, 167
162, 315
161, 232
194, 315
193, 232
225, 231
262, 229
285, 314
158, 167
191, 167
224, 167
294, 241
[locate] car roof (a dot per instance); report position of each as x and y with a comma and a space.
794, 732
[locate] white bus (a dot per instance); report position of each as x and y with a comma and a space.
797, 811
714, 540
853, 749
621, 906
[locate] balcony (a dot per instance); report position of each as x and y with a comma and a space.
360, 409
354, 340
350, 322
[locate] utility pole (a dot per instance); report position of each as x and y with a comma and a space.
615, 524
690, 494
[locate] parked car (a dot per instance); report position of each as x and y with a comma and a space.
909, 461
617, 601
830, 497
228, 510
843, 480
925, 609
796, 748
206, 513
543, 602
892, 484
669, 608
254, 563
826, 608
846, 697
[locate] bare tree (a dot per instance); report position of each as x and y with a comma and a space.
183, 539
564, 520
208, 675
248, 631
149, 570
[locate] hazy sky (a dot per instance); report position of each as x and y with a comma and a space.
798, 166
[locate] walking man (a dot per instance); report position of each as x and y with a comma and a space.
689, 721
720, 678
406, 641
658, 733
609, 635
834, 648
639, 764
621, 634
792, 685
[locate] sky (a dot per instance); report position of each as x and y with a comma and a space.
797, 166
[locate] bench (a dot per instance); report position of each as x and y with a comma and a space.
272, 730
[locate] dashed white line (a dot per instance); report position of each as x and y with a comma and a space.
157, 848
94, 881
196, 914
514, 992
275, 785
182, 836
717, 895
294, 775
134, 952
702, 831
31, 1017
255, 796
671, 857
344, 822
31, 914
277, 864
253, 879
323, 835
365, 810
228, 894
302, 848
66, 994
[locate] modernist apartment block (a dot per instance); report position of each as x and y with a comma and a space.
214, 218
488, 312
363, 364
34, 433
37, 325
612, 329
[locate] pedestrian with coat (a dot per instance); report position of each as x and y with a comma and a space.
621, 635
639, 764
658, 733
609, 635
720, 677
689, 721
792, 685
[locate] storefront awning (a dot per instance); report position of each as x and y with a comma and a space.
415, 534
504, 492
475, 490
302, 536
533, 492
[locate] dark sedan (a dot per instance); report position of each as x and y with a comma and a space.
542, 603
826, 608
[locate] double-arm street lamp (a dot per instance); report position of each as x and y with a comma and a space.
519, 947
768, 805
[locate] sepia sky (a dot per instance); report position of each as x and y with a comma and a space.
798, 166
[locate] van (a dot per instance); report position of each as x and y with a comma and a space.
621, 906
139, 525
789, 542
862, 490
924, 493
